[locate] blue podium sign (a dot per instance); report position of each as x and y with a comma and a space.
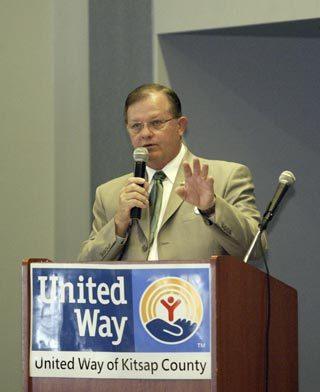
121, 321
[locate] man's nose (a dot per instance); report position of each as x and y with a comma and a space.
146, 131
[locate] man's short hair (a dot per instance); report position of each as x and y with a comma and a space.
143, 91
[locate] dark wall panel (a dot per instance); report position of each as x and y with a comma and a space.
255, 100
120, 60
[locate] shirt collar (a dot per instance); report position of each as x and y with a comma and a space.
171, 168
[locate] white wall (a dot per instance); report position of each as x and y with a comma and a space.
190, 15
44, 149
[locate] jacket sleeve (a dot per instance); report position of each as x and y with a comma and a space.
236, 216
103, 244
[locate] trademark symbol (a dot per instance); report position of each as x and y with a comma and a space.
201, 345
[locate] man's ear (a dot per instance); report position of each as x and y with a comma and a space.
183, 123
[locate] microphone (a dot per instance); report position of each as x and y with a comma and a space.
140, 157
286, 179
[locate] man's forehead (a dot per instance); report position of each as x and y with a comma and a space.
152, 105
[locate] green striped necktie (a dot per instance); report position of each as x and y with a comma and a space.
155, 199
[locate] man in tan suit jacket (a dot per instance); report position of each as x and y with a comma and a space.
210, 208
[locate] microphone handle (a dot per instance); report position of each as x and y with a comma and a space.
139, 171
273, 205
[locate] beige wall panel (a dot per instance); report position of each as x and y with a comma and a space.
26, 161
44, 149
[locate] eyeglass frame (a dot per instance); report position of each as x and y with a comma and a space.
149, 125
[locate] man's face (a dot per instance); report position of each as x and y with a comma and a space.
164, 144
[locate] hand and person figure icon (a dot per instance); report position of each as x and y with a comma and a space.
171, 331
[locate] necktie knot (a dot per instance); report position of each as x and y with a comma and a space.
159, 176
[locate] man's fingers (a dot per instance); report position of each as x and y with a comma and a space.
141, 182
128, 196
133, 194
187, 170
136, 180
135, 188
129, 204
204, 171
196, 167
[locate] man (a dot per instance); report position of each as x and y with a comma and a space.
202, 207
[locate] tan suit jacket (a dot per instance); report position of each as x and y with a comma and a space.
184, 234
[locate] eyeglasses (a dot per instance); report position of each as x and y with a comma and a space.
154, 125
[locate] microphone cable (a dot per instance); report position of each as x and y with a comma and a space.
267, 319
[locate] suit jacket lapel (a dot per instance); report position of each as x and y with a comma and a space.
174, 200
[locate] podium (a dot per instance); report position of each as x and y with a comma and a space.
238, 337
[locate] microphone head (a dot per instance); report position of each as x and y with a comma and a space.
140, 154
287, 178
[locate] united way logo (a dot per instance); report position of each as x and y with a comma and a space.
171, 310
